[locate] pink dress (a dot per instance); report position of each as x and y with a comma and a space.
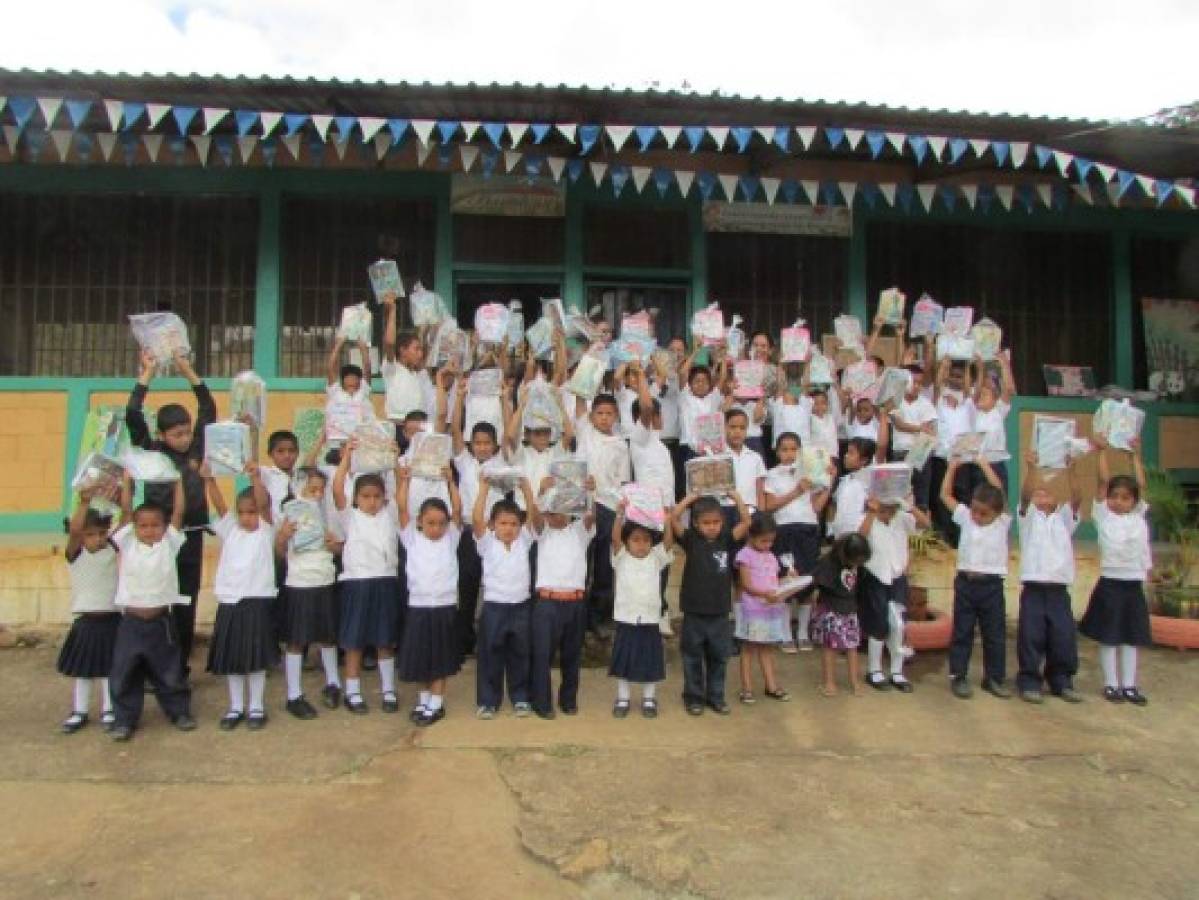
757, 621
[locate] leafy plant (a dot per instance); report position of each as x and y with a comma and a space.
1168, 507
922, 543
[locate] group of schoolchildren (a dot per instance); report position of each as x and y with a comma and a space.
396, 584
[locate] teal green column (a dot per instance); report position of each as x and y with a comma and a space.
573, 287
443, 254
268, 285
699, 256
857, 303
1122, 311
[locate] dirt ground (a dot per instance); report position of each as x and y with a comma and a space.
883, 795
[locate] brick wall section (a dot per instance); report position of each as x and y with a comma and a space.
33, 430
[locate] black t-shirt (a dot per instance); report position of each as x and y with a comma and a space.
838, 586
707, 574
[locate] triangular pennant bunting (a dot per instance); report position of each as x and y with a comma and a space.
224, 149
132, 112
1019, 153
322, 123
49, 107
970, 192
61, 139
1005, 193
468, 153
619, 175
1001, 150
470, 129
153, 145
640, 177
1083, 167
115, 110
1045, 192
447, 130
540, 131
568, 131
574, 169
212, 117
749, 185
927, 193
781, 138
1146, 183
1063, 161
728, 184
662, 178
533, 166
597, 172
706, 182
684, 180
806, 134
202, 143
919, 145
875, 140
155, 112
382, 143
957, 149
495, 133
371, 126
511, 159
854, 137
245, 119
670, 133
1083, 192
588, 135
245, 147
422, 152
1044, 155
645, 136
741, 135
78, 110
695, 136
887, 189
557, 165
834, 136
397, 127
770, 187
980, 146
618, 134
1106, 172
720, 134
812, 190
293, 122
422, 127
897, 139
937, 143
790, 190
516, 131
270, 149
292, 143
848, 190
107, 142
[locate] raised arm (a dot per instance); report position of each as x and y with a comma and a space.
455, 497
942, 376
531, 507
456, 420
988, 472
403, 486
514, 424
1075, 490
868, 519
135, 418
884, 435
676, 514
262, 499
982, 377
560, 359
75, 528
618, 526
1138, 465
333, 362
1008, 386
339, 477
478, 515
215, 496
947, 497
177, 509
741, 529
205, 405
1030, 480
1104, 474
364, 351
875, 334
389, 329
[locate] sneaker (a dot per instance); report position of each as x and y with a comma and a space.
120, 733
485, 712
719, 707
1069, 695
73, 723
184, 723
331, 696
417, 713
390, 702
301, 708
694, 709
790, 649
1032, 696
1135, 697
997, 689
522, 710
107, 720
961, 687
804, 645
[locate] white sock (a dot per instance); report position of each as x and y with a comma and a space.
1107, 659
805, 619
874, 655
105, 696
424, 699
622, 690
1128, 666
387, 674
293, 664
237, 693
354, 686
434, 702
648, 691
329, 661
257, 691
83, 695
895, 639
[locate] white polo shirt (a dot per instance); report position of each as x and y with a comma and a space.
468, 485
1124, 550
991, 424
247, 564
850, 500
952, 421
506, 573
406, 390
638, 600
607, 458
562, 556
1046, 549
432, 567
372, 543
914, 413
652, 465
889, 546
146, 575
780, 481
982, 549
791, 418
690, 408
747, 469
536, 466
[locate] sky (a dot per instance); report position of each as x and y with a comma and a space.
1102, 59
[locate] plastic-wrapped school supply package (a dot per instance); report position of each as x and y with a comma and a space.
923, 446
516, 324
645, 505
308, 424
552, 309
711, 476
820, 369
542, 409
954, 346
568, 496
430, 455
541, 338
858, 378
451, 346
485, 383
1051, 441
957, 320
795, 343
749, 379
588, 376
890, 305
162, 334
580, 327
637, 325
709, 433
425, 307
227, 447
966, 446
927, 316
247, 399
892, 386
707, 325
625, 350
149, 465
385, 279
100, 474
734, 339
814, 466
987, 337
1119, 422
849, 332
308, 518
343, 415
890, 482
355, 324
375, 448
501, 476
491, 323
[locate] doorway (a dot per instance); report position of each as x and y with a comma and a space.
473, 294
615, 299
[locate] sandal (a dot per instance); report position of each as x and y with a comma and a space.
746, 697
780, 695
649, 708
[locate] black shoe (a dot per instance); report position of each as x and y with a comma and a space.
73, 723
997, 689
355, 704
620, 709
649, 708
570, 710
902, 685
431, 717
694, 709
415, 716
331, 696
184, 723
719, 707
256, 720
391, 703
1135, 697
1113, 695
1069, 695
120, 733
878, 681
107, 721
545, 713
231, 720
301, 708
961, 687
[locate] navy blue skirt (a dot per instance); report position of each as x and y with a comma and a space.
243, 638
431, 648
1117, 613
370, 613
637, 654
310, 615
87, 651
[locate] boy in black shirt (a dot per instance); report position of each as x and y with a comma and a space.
706, 597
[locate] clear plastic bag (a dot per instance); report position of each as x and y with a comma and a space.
501, 476
707, 325
734, 339
356, 324
491, 323
892, 386
891, 305
309, 520
1119, 421
860, 377
385, 279
247, 399
890, 482
645, 506
516, 324
927, 316
541, 338
149, 466
100, 474
343, 415
958, 320
375, 449
451, 346
709, 433
1051, 440
227, 447
967, 446
820, 369
425, 307
813, 464
849, 332
711, 476
588, 376
987, 337
953, 346
795, 344
920, 451
485, 383
308, 424
749, 379
430, 455
638, 326
162, 334
542, 409
551, 309
569, 495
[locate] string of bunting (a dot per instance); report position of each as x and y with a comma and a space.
182, 129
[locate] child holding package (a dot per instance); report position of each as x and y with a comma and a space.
1117, 616
637, 655
705, 598
761, 620
1045, 632
86, 654
348, 386
849, 498
243, 644
978, 586
835, 627
992, 403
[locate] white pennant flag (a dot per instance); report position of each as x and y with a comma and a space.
1063, 161
12, 134
640, 177
423, 128
670, 132
1106, 172
517, 130
557, 166
202, 143
1147, 185
1005, 192
62, 142
854, 136
720, 134
422, 153
770, 186
970, 192
937, 144
115, 109
848, 190
153, 144
812, 190
597, 172
806, 134
245, 146
270, 121
980, 146
156, 111
471, 129
897, 139
50, 107
618, 135
108, 143
1045, 192
321, 124
1186, 193
684, 180
928, 193
370, 125
468, 153
729, 184
339, 147
1019, 153
568, 131
1114, 193
765, 132
887, 189
382, 144
511, 159
292, 143
213, 116
1083, 191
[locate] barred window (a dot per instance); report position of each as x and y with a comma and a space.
327, 243
74, 267
636, 237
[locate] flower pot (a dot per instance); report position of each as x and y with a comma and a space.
918, 610
931, 634
1169, 631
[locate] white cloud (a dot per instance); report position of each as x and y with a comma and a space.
1098, 59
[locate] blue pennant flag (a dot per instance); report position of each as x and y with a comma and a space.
749, 185
574, 169
828, 193
447, 130
986, 196
869, 193
293, 122
22, 109
1125, 180
1001, 149
245, 119
224, 148
83, 145
490, 156
588, 135
789, 190
184, 115
132, 112
540, 131
707, 184
662, 180
77, 111
316, 152
919, 145
445, 155
494, 131
835, 136
129, 145
269, 147
533, 166
1026, 195
646, 135
904, 195
35, 140
1083, 167
1044, 155
620, 177
178, 147
1163, 189
741, 135
695, 136
344, 124
957, 149
1061, 197
948, 196
875, 140
782, 137
397, 127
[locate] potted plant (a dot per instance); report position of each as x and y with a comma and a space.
1174, 590
927, 628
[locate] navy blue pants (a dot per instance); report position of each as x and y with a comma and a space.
1046, 633
704, 646
470, 579
558, 627
147, 649
942, 517
602, 579
978, 600
504, 650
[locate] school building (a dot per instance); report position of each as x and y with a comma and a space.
252, 207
